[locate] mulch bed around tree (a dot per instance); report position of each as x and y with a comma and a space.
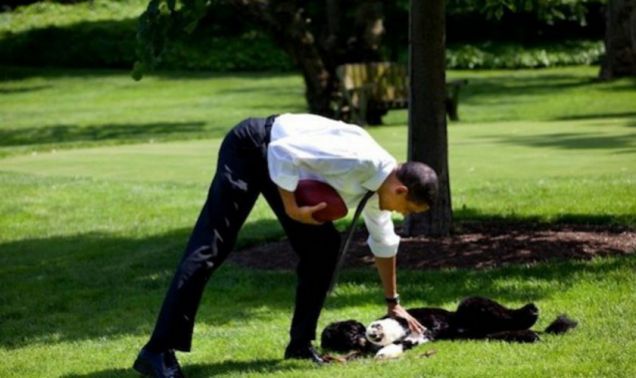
472, 245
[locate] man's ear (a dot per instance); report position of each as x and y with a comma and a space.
401, 189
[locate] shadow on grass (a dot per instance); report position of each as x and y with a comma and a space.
510, 284
33, 88
625, 142
628, 118
88, 286
584, 117
12, 73
574, 141
50, 285
256, 366
508, 86
468, 214
511, 89
75, 133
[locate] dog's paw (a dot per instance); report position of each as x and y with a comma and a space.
389, 352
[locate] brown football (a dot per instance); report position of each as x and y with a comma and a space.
313, 192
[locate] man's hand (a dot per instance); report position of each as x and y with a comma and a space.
386, 269
305, 214
302, 214
399, 311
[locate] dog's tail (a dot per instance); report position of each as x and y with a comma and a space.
560, 325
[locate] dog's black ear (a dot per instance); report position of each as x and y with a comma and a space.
561, 324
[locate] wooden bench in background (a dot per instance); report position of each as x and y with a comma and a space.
382, 86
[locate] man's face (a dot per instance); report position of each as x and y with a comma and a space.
396, 200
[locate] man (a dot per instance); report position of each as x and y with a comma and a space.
269, 156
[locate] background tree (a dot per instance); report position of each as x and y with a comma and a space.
428, 140
320, 35
318, 38
620, 40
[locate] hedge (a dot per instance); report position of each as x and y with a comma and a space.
509, 55
112, 44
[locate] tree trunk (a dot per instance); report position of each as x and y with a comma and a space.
428, 141
620, 40
369, 20
333, 41
291, 31
345, 40
287, 24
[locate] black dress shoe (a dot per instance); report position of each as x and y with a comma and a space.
303, 352
158, 365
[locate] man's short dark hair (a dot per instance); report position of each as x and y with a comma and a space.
421, 180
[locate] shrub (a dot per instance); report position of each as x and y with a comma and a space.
249, 52
509, 55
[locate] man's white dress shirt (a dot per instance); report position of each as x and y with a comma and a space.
306, 146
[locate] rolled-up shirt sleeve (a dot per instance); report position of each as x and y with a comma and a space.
383, 241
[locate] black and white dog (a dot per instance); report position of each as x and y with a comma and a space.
475, 318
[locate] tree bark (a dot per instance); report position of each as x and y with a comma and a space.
620, 40
428, 141
345, 41
287, 24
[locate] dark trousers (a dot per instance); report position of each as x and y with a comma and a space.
242, 175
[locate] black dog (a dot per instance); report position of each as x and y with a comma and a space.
475, 318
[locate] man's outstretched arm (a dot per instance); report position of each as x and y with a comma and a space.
387, 271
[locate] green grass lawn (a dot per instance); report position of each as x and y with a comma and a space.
101, 179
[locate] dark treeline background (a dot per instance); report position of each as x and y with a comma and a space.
532, 34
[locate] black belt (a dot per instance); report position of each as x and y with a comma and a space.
269, 122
